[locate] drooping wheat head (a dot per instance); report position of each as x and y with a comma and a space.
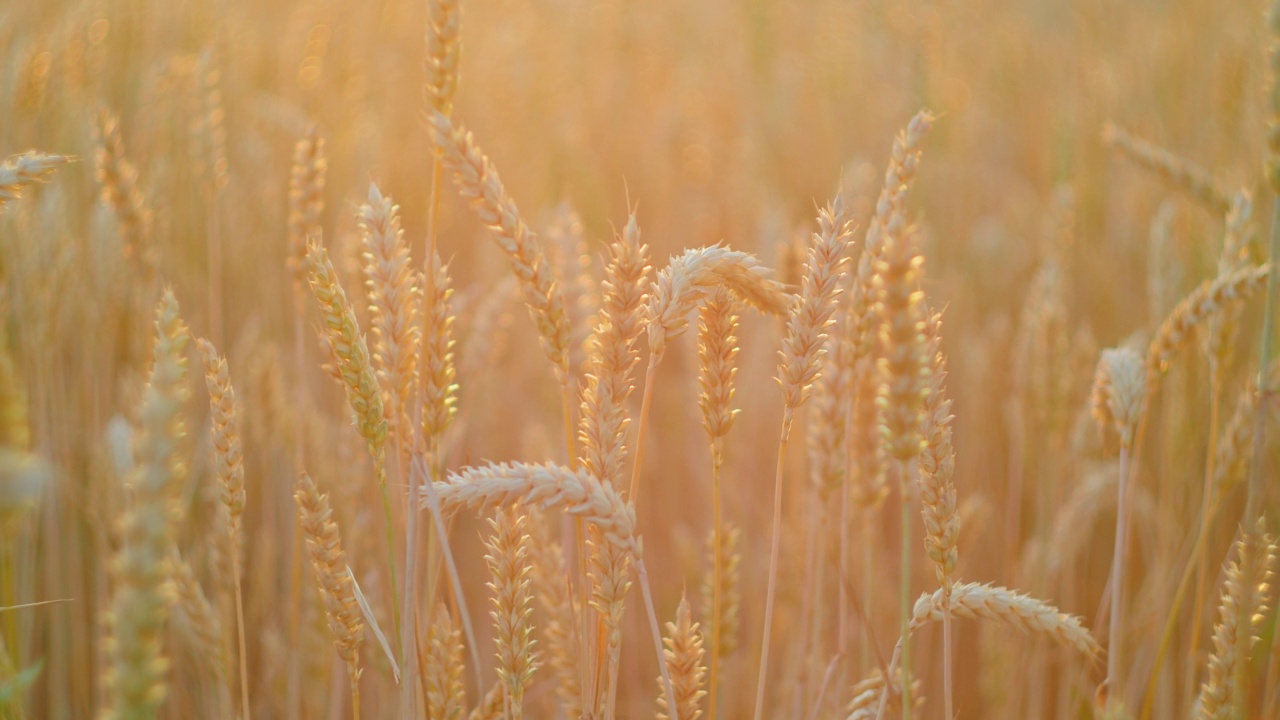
479, 184
1178, 172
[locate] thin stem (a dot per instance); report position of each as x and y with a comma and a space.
1264, 363
644, 423
904, 594
442, 535
408, 655
948, 700
1171, 624
244, 669
381, 470
657, 637
355, 698
716, 577
773, 561
293, 691
1206, 498
1114, 692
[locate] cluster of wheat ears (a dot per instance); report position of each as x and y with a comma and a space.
861, 355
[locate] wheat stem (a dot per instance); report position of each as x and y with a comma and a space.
774, 548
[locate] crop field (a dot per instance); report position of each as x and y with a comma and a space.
595, 359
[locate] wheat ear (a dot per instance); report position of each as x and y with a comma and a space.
1000, 604
224, 431
29, 168
135, 675
1179, 172
306, 198
121, 192
446, 691
337, 589
1119, 401
508, 561
444, 49
552, 589
683, 656
393, 302
1206, 301
1241, 614
353, 365
801, 356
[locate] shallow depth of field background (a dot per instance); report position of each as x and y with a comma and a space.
720, 120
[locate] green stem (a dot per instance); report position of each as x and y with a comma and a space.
904, 595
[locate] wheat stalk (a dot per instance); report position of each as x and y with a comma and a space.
802, 350
337, 589
224, 432
121, 192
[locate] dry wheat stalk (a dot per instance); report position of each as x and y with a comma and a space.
717, 351
937, 465
1241, 614
306, 198
508, 561
1119, 400
337, 589
730, 587
1210, 298
439, 391
479, 184
393, 301
889, 219
999, 604
29, 168
351, 354
121, 192
811, 312
609, 571
551, 588
135, 675
444, 21
446, 691
224, 432
683, 656
546, 486
1178, 172
614, 355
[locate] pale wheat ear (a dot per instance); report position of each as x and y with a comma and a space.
30, 168
1178, 172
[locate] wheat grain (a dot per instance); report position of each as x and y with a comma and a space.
444, 48
306, 198
553, 592
337, 591
121, 192
1207, 300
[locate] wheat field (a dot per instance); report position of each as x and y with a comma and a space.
470, 359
